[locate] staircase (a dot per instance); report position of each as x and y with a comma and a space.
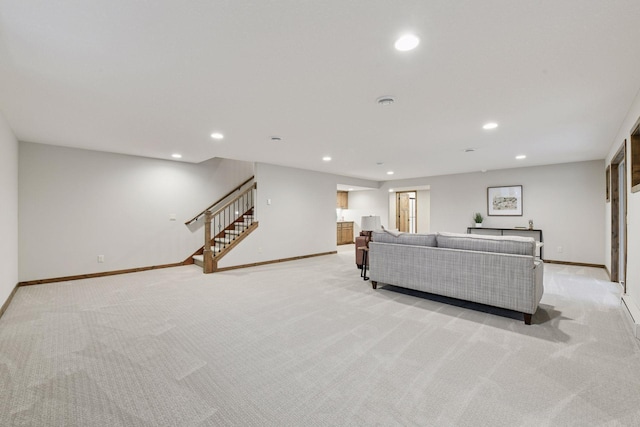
225, 228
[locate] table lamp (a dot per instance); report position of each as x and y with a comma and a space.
370, 223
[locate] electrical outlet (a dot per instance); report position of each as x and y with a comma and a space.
259, 250
172, 217
100, 258
559, 249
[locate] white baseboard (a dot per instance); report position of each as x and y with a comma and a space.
634, 314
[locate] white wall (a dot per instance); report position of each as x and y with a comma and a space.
301, 219
78, 204
360, 204
632, 298
9, 211
423, 208
565, 201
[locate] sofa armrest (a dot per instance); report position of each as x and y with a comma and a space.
538, 267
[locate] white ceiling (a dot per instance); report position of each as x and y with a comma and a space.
152, 78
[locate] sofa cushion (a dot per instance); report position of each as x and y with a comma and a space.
394, 233
405, 238
477, 242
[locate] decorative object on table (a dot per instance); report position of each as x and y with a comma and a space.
478, 218
504, 201
530, 224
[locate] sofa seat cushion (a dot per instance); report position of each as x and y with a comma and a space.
515, 245
405, 239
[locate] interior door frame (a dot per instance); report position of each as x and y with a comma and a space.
415, 216
619, 158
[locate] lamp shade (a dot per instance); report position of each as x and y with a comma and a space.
370, 223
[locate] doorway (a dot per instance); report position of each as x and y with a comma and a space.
619, 217
406, 211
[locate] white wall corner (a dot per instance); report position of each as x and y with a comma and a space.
633, 313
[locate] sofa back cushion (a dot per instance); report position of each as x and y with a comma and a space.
405, 238
476, 242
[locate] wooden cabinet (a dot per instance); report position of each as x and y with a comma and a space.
345, 232
343, 200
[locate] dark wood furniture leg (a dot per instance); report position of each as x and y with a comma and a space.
374, 284
527, 318
365, 262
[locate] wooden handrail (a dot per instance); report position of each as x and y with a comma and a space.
231, 202
195, 218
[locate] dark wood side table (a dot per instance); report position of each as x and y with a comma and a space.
365, 262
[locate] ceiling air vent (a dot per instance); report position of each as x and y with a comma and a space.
386, 100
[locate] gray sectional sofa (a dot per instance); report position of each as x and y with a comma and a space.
500, 271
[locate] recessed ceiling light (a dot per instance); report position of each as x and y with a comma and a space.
275, 138
491, 125
217, 135
390, 173
469, 150
350, 189
521, 156
379, 163
176, 156
326, 158
385, 100
391, 190
407, 42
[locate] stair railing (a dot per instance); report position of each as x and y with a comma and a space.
221, 199
225, 221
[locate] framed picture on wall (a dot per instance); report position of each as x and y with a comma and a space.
504, 201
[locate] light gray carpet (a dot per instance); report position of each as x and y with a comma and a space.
309, 343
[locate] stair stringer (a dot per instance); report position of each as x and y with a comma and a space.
198, 257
